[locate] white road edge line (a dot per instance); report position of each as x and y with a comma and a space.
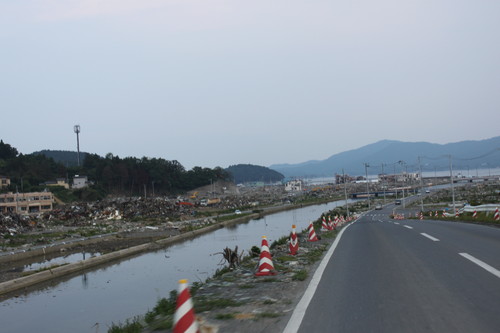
396, 223
430, 237
482, 264
407, 226
301, 308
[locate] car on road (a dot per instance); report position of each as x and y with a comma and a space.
378, 207
397, 202
237, 212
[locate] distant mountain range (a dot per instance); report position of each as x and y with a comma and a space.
465, 155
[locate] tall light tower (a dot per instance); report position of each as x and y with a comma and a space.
76, 128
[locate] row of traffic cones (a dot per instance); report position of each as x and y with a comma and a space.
184, 317
420, 215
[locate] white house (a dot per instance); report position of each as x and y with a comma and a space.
80, 181
294, 185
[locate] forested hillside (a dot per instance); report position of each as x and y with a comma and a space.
110, 174
243, 173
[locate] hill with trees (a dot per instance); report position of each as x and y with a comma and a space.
110, 174
65, 157
242, 173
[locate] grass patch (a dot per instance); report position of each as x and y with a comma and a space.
224, 316
203, 304
269, 302
315, 254
286, 258
281, 241
300, 275
269, 315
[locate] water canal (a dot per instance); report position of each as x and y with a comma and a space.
90, 302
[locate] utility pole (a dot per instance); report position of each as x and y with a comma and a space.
452, 188
384, 178
421, 186
367, 185
345, 193
403, 181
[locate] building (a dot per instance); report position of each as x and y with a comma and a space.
4, 182
294, 185
80, 182
25, 203
58, 182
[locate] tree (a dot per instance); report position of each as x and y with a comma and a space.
7, 151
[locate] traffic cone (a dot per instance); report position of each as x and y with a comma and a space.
312, 233
474, 215
266, 266
436, 215
330, 223
457, 213
324, 226
421, 216
442, 214
294, 242
430, 214
184, 317
496, 217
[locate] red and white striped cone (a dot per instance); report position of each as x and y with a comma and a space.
442, 214
184, 317
437, 214
312, 233
430, 214
474, 215
421, 216
457, 213
331, 225
496, 217
266, 266
324, 226
294, 242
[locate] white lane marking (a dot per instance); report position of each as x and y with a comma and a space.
407, 226
482, 264
301, 308
396, 223
430, 237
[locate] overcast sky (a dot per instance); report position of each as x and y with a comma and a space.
217, 83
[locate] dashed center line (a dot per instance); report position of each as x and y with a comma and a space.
481, 264
430, 237
407, 226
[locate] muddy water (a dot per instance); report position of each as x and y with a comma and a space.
92, 301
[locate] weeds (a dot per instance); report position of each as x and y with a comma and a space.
128, 327
300, 275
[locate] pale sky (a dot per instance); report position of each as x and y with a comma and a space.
217, 83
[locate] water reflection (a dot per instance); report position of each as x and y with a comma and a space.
131, 287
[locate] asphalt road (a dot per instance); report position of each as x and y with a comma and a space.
409, 276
